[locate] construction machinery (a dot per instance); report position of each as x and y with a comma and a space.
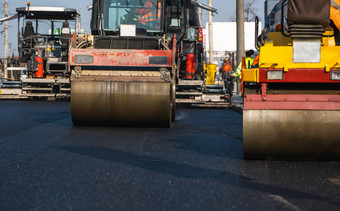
124, 74
193, 87
292, 100
191, 52
190, 84
44, 34
189, 88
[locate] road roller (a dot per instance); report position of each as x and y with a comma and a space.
292, 98
123, 74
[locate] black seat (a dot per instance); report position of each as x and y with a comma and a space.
306, 19
65, 34
29, 30
65, 31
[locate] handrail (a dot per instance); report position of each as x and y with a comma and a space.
257, 46
282, 18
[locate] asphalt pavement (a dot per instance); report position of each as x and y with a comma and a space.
48, 164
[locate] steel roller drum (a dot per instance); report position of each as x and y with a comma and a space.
121, 103
291, 134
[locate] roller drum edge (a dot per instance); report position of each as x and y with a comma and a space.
121, 103
291, 134
173, 103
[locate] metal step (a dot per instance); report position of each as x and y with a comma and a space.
63, 81
36, 89
10, 91
190, 83
189, 93
38, 95
38, 80
12, 97
191, 101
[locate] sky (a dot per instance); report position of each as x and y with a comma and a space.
226, 9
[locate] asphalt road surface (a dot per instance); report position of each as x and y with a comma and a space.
47, 164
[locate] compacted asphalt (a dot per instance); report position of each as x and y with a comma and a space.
48, 164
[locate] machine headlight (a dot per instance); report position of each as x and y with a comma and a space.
275, 75
335, 75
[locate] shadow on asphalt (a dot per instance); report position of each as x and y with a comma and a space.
186, 171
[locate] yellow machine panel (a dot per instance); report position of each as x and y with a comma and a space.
280, 56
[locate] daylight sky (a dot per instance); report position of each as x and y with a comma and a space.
226, 9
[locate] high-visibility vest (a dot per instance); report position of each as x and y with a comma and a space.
151, 15
335, 13
238, 71
226, 67
249, 62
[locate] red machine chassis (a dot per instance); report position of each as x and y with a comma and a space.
266, 101
122, 57
298, 76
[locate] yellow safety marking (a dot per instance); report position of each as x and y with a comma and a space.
0, 92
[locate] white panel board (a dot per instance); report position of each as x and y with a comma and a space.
127, 30
225, 36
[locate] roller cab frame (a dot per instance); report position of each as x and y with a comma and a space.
124, 73
292, 99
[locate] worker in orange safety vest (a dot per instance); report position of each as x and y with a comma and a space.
227, 76
226, 67
150, 13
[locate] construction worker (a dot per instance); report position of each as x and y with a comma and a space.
335, 19
227, 76
249, 59
249, 62
226, 67
149, 13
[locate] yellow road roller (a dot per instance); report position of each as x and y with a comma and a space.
292, 98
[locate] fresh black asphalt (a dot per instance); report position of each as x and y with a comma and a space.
48, 164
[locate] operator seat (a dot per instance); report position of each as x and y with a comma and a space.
29, 30
65, 32
65, 35
65, 39
27, 42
